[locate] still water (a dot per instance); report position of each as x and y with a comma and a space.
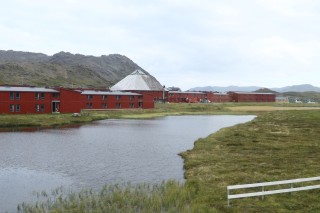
104, 152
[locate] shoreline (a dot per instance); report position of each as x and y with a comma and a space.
59, 120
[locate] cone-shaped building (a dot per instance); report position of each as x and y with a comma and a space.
138, 80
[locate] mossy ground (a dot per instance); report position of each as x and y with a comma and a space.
275, 146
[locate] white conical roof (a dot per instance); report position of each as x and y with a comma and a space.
138, 80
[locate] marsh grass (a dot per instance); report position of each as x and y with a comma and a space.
53, 120
275, 146
169, 196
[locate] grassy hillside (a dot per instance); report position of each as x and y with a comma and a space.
50, 75
63, 69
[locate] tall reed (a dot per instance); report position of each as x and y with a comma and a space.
169, 196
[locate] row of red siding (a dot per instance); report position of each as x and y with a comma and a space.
69, 101
252, 97
193, 97
72, 101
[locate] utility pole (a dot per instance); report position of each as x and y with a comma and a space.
163, 100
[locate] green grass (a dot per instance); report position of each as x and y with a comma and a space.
168, 196
52, 120
275, 146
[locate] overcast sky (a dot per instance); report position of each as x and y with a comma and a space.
184, 43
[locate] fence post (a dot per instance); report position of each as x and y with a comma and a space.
228, 197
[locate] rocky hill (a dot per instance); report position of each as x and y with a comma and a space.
63, 69
265, 90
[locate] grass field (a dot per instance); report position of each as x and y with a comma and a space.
276, 145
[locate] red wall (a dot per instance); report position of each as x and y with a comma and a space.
70, 101
157, 95
27, 103
218, 98
186, 97
252, 97
73, 101
148, 101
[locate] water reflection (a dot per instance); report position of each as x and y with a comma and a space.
109, 151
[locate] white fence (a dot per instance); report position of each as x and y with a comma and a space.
270, 192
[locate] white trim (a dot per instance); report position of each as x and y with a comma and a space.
270, 192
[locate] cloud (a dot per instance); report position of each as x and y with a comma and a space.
181, 42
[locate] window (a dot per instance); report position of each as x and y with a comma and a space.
104, 97
17, 95
89, 105
131, 105
18, 108
104, 105
42, 107
118, 97
89, 97
39, 95
37, 108
11, 108
11, 96
118, 105
131, 98
55, 95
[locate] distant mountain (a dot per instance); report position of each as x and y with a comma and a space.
294, 88
265, 90
225, 89
63, 69
298, 88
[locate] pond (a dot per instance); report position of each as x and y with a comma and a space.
104, 152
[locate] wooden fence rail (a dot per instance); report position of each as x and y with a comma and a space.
270, 192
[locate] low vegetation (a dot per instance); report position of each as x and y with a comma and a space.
277, 145
53, 120
170, 196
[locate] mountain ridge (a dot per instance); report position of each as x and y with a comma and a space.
63, 69
293, 88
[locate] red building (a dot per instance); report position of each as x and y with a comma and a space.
23, 100
156, 96
76, 100
186, 97
142, 83
215, 97
252, 97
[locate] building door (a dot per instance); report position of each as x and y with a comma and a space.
55, 106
